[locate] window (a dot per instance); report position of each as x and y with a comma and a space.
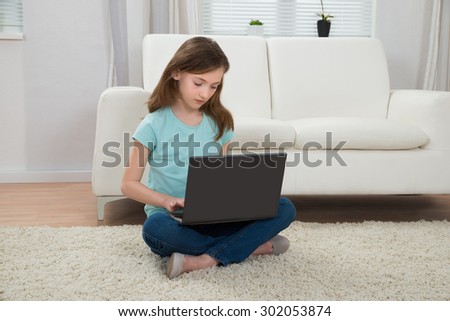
287, 17
11, 19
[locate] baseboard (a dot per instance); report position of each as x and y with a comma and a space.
44, 176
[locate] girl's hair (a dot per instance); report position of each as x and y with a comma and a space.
197, 55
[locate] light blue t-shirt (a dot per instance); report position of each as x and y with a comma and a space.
171, 142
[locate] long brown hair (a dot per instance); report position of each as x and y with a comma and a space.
197, 55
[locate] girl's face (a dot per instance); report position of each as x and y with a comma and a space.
196, 89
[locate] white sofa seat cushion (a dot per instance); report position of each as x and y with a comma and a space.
357, 133
261, 133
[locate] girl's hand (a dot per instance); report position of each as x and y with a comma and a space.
173, 203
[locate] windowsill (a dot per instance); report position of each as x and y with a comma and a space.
11, 36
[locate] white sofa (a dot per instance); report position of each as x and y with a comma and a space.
326, 101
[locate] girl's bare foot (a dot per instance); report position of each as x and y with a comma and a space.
180, 263
204, 261
265, 248
277, 245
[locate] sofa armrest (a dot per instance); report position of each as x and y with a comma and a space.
428, 110
119, 111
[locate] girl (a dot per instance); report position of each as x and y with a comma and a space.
185, 115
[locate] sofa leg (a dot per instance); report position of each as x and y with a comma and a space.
100, 208
101, 202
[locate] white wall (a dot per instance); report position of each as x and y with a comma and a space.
403, 27
50, 82
12, 109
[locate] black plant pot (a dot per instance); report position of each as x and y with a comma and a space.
323, 28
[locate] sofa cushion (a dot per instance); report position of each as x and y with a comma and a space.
332, 77
260, 133
357, 133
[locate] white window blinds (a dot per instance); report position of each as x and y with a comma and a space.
11, 19
287, 17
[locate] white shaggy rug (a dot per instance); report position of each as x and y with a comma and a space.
349, 261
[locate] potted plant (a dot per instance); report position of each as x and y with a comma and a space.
324, 24
255, 28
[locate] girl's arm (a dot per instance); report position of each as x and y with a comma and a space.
134, 189
225, 148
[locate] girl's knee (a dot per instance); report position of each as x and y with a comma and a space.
287, 209
159, 223
153, 232
154, 244
149, 224
148, 235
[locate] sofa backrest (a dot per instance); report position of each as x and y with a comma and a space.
332, 77
246, 89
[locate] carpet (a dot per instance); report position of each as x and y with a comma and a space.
344, 261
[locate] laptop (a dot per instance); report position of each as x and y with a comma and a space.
232, 188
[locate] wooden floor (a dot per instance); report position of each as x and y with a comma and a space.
73, 204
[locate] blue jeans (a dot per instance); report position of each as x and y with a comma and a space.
226, 242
